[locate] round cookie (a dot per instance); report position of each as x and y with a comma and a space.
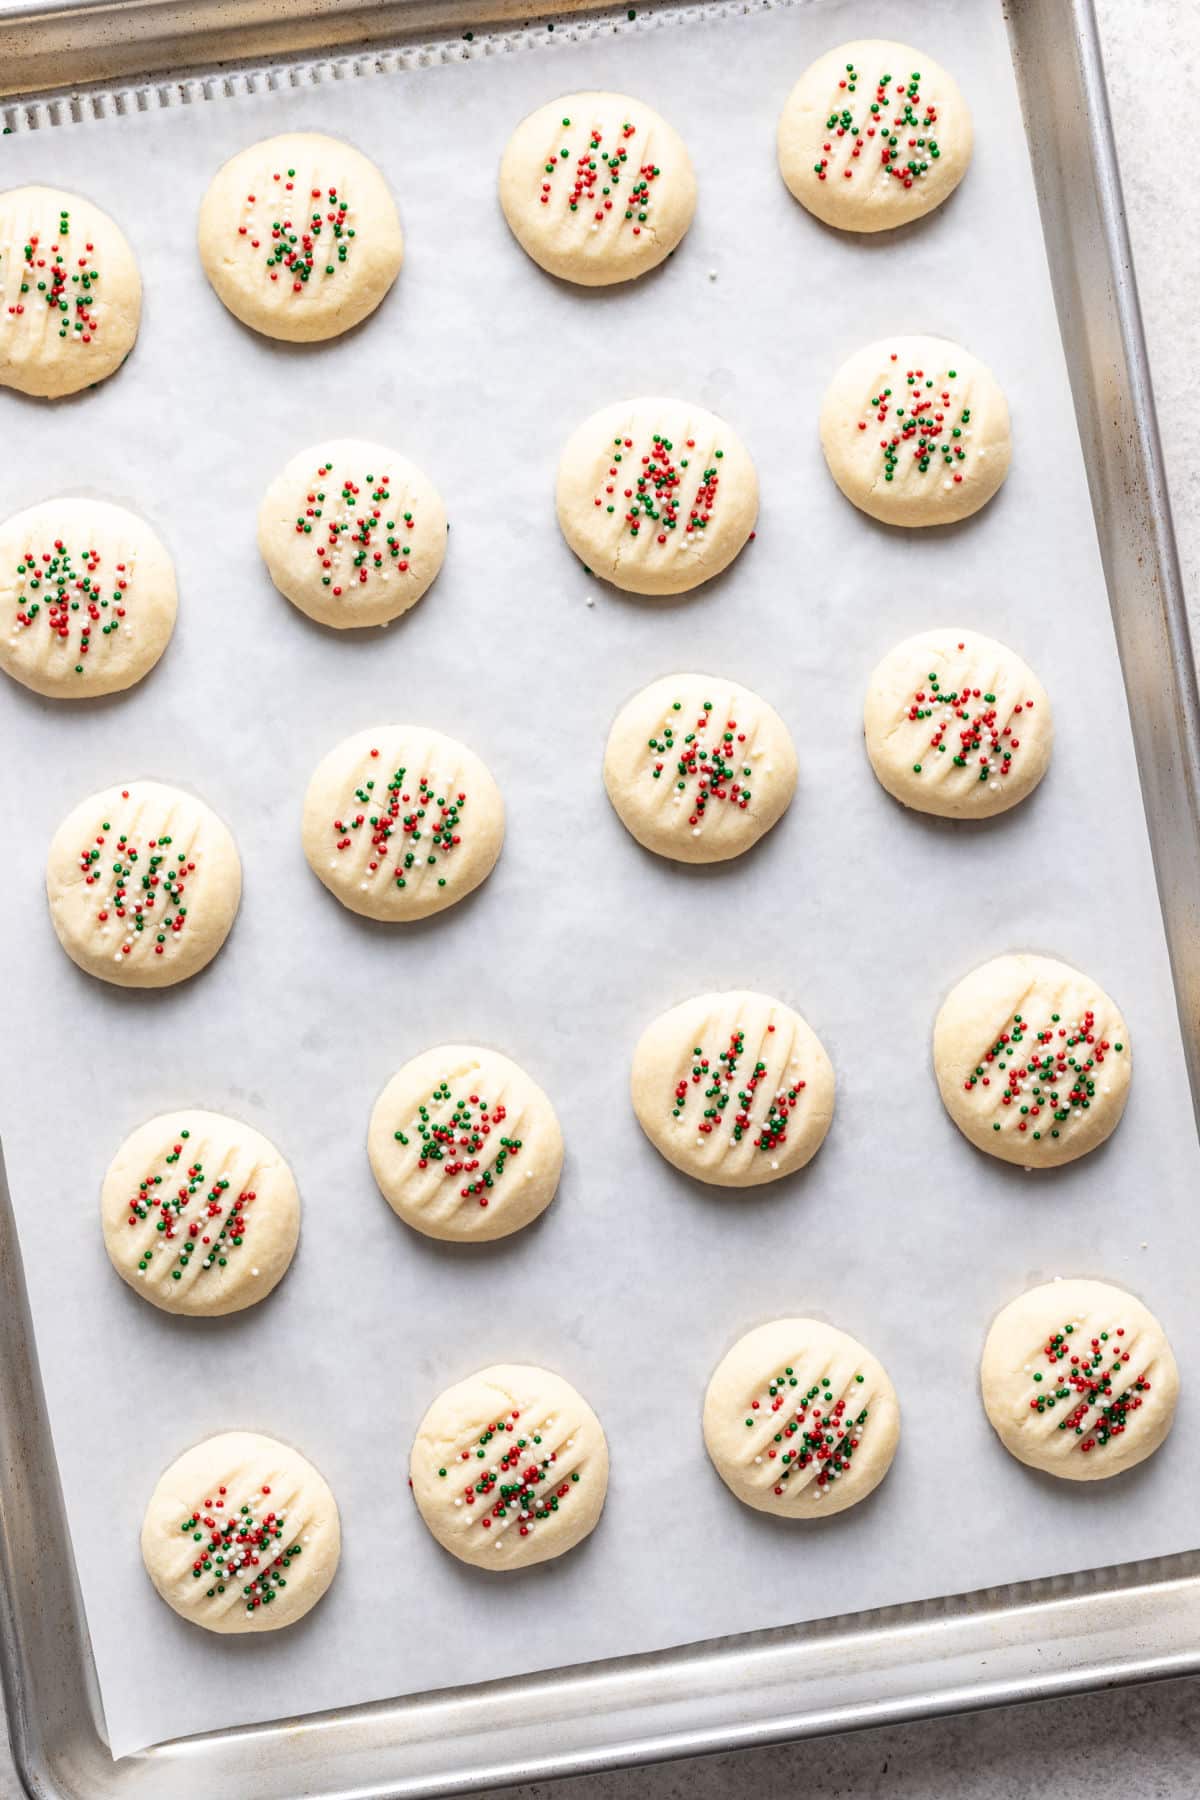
656, 495
299, 236
352, 533
916, 431
597, 188
464, 1145
874, 134
200, 1213
1033, 1060
800, 1420
735, 1089
143, 883
956, 724
87, 598
70, 293
699, 768
509, 1467
241, 1534
1078, 1379
400, 822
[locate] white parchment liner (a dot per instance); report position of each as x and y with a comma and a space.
636, 1281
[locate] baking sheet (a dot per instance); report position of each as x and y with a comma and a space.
636, 1281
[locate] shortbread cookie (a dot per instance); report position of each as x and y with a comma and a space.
352, 534
143, 883
87, 598
1033, 1060
916, 431
241, 1534
1079, 1380
800, 1420
509, 1467
735, 1089
400, 822
656, 495
874, 134
299, 236
699, 768
957, 724
597, 188
70, 293
200, 1213
464, 1145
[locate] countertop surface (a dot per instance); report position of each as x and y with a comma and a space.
1139, 1742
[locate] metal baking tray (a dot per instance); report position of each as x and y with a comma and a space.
73, 58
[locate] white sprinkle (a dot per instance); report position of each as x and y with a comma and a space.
774, 1163
712, 274
254, 1271
458, 1503
695, 831
591, 600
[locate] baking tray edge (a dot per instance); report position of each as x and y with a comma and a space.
1043, 1638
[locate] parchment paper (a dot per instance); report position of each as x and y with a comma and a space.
857, 913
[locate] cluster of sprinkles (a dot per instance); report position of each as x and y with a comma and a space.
142, 880
904, 158
593, 186
457, 1146
819, 1430
521, 1486
67, 286
359, 536
652, 500
1048, 1076
926, 432
317, 244
179, 1222
720, 1085
66, 591
1085, 1376
238, 1547
431, 822
967, 727
707, 767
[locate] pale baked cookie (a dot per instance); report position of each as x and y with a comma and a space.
597, 188
1079, 1380
464, 1145
200, 1213
87, 598
800, 1420
656, 495
299, 236
735, 1089
352, 534
916, 431
699, 768
241, 1534
509, 1467
400, 822
1032, 1060
874, 134
957, 724
143, 883
70, 293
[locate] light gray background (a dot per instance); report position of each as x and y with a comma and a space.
1134, 1743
